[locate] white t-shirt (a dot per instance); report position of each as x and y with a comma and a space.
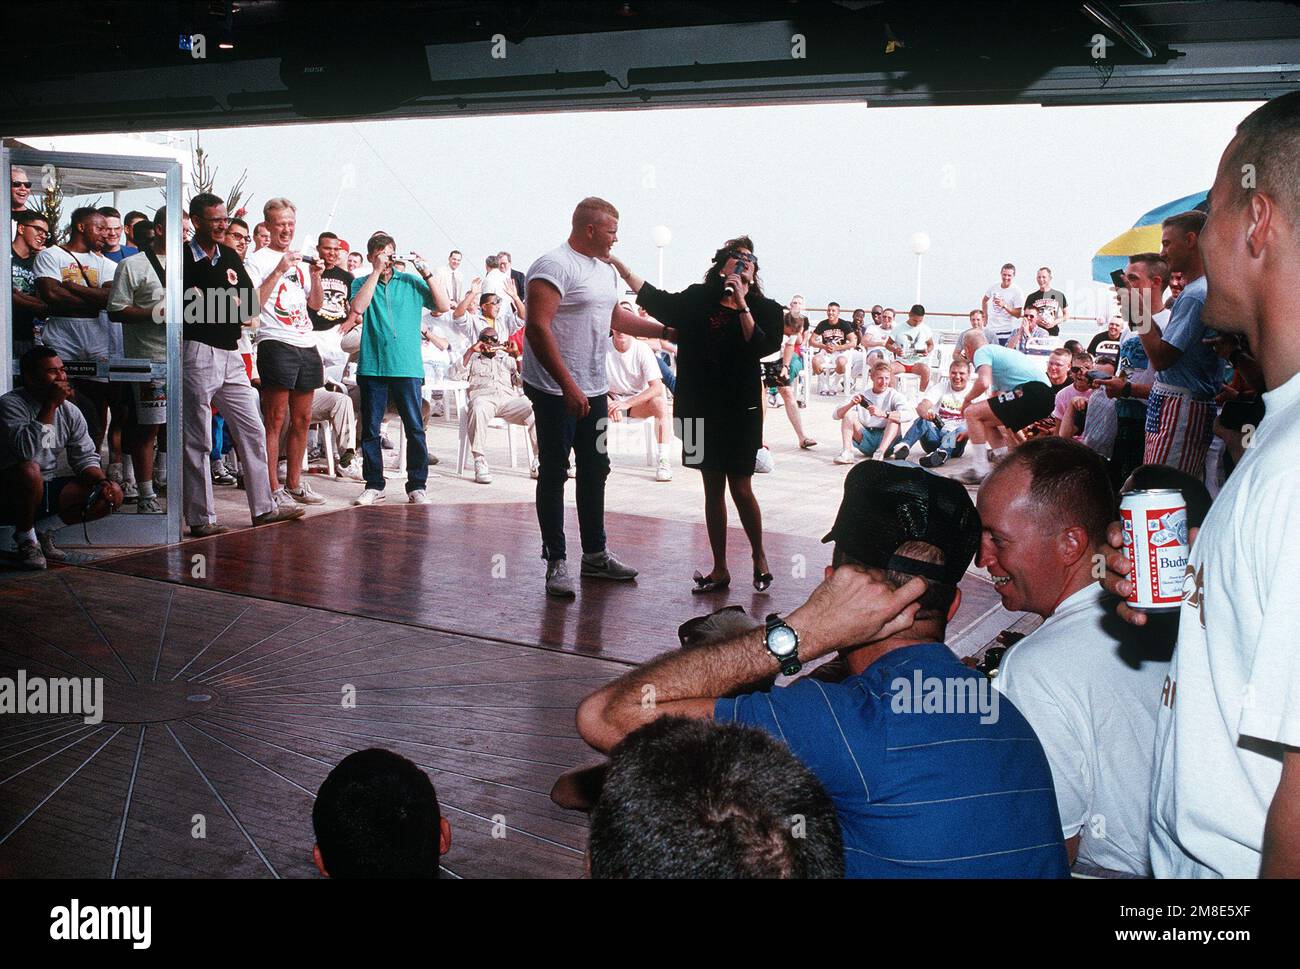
911, 340
887, 400
1090, 689
284, 314
874, 336
589, 291
999, 320
630, 372
79, 337
1233, 696
945, 400
495, 282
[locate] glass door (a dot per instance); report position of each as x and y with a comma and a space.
126, 376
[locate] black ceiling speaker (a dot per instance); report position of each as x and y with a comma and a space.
362, 76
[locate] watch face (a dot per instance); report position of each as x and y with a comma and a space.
782, 641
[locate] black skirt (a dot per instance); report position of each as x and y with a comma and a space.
725, 442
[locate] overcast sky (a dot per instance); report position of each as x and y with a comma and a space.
831, 194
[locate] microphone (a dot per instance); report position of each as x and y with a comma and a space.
740, 268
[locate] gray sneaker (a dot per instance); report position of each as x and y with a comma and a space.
48, 548
605, 566
207, 530
558, 583
148, 506
282, 513
31, 557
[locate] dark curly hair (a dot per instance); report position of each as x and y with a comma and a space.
711, 278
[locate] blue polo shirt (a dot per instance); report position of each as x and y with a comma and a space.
920, 792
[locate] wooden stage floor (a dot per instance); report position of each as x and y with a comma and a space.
224, 695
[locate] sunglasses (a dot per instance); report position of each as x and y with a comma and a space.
21, 184
1078, 371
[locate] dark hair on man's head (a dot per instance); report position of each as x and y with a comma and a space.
492, 262
1007, 265
1068, 484
376, 816
108, 212
32, 357
1155, 476
133, 216
202, 202
79, 216
325, 235
1074, 346
1190, 221
1153, 264
1045, 269
832, 303
241, 223
1269, 140
378, 241
691, 798
28, 216
455, 252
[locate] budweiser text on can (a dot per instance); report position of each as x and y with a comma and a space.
1155, 540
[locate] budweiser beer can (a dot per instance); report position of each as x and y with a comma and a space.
1155, 540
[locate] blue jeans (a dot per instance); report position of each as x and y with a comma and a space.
666, 370
405, 393
930, 437
558, 434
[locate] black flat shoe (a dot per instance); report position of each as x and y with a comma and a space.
704, 584
762, 580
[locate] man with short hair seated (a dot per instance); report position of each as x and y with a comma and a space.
37, 421
489, 366
687, 798
869, 422
1089, 684
376, 816
938, 427
931, 773
636, 391
1072, 399
912, 343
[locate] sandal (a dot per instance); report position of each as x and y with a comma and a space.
705, 584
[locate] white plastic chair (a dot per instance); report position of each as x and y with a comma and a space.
463, 456
618, 429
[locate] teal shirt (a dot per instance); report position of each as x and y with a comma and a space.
390, 328
1011, 368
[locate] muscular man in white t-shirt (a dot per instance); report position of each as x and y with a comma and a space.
1002, 305
1225, 801
573, 294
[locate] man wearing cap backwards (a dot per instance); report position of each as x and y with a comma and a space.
1087, 683
927, 780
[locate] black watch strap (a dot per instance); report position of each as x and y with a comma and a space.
790, 665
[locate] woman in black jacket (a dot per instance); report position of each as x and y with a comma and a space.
723, 327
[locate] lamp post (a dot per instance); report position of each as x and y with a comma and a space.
920, 246
662, 235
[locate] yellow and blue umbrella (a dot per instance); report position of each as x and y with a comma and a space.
1143, 237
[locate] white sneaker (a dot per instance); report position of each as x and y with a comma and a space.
31, 557
418, 497
304, 495
845, 457
663, 472
534, 468
148, 506
283, 498
130, 490
352, 472
482, 473
369, 497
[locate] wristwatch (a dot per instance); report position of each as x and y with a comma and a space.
783, 643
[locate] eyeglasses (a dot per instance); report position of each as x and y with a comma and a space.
1078, 371
21, 184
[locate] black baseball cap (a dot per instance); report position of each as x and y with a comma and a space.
886, 504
